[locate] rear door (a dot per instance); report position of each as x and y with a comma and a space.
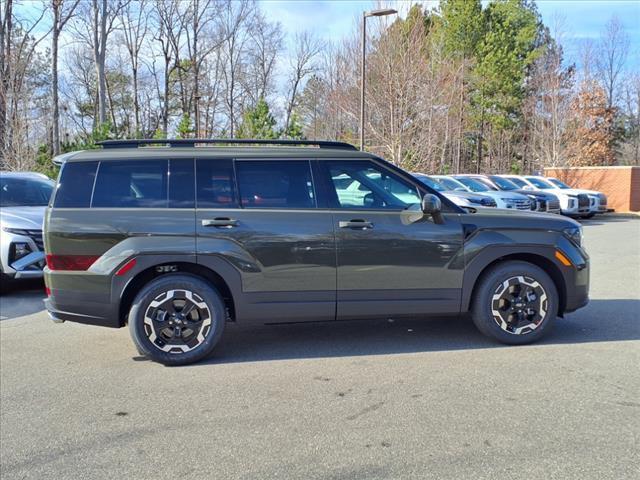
387, 266
261, 216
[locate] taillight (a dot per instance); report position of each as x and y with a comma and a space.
70, 262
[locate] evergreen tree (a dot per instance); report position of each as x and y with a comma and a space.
257, 122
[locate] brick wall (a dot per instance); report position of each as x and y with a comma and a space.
620, 184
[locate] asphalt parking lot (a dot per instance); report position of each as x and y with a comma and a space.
354, 400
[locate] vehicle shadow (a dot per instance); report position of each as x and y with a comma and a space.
23, 298
604, 219
600, 321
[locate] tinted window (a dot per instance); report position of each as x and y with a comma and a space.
133, 184
275, 184
181, 183
75, 185
24, 192
540, 183
518, 182
216, 185
503, 183
430, 182
361, 184
473, 185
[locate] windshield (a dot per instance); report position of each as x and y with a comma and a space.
503, 183
558, 183
519, 182
430, 182
450, 184
540, 183
24, 192
473, 185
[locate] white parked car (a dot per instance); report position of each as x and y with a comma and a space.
23, 199
460, 198
509, 200
572, 204
599, 198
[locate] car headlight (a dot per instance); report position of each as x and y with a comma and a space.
574, 234
488, 202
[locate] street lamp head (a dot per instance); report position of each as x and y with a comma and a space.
380, 13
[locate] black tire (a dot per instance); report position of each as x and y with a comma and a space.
538, 293
149, 325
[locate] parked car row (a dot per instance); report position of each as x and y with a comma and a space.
519, 192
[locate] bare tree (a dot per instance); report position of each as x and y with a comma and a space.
302, 64
62, 12
134, 22
613, 49
235, 18
170, 29
266, 43
95, 23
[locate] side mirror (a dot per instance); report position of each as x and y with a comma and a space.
432, 206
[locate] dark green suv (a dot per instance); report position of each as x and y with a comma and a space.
179, 237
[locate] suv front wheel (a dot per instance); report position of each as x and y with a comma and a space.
515, 303
177, 319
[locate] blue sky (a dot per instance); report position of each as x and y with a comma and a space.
583, 19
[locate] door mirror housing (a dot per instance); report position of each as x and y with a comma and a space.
431, 204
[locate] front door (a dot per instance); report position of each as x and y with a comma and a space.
261, 216
387, 266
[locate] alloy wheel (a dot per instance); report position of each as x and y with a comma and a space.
519, 305
177, 321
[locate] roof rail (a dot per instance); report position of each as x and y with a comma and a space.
192, 142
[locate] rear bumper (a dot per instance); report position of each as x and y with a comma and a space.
95, 315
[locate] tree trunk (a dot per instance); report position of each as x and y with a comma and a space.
55, 130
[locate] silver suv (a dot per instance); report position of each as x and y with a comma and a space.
23, 199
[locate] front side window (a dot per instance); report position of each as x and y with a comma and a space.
131, 184
363, 184
275, 184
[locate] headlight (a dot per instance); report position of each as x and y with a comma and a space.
574, 234
488, 202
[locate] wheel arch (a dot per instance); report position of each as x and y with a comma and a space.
151, 273
538, 259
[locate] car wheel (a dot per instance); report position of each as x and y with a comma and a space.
177, 319
515, 303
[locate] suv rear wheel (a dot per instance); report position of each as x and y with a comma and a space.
177, 319
516, 303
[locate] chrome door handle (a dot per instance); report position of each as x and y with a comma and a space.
355, 223
220, 222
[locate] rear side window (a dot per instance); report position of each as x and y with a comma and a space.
75, 185
275, 184
132, 184
216, 184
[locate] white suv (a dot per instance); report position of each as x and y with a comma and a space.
572, 204
24, 197
598, 199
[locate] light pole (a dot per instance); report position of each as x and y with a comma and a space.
372, 13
